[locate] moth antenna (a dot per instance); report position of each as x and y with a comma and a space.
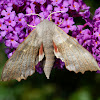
35, 14
54, 13
31, 26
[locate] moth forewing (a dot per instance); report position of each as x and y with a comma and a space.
22, 63
76, 57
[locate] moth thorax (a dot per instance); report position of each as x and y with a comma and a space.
45, 27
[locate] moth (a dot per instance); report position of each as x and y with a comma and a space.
47, 40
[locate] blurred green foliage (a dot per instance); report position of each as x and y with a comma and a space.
63, 85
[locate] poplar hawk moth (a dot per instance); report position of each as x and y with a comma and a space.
47, 40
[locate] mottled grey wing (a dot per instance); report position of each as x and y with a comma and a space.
76, 57
22, 63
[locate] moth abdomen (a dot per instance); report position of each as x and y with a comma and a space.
49, 54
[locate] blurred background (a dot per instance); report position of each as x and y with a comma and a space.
62, 85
